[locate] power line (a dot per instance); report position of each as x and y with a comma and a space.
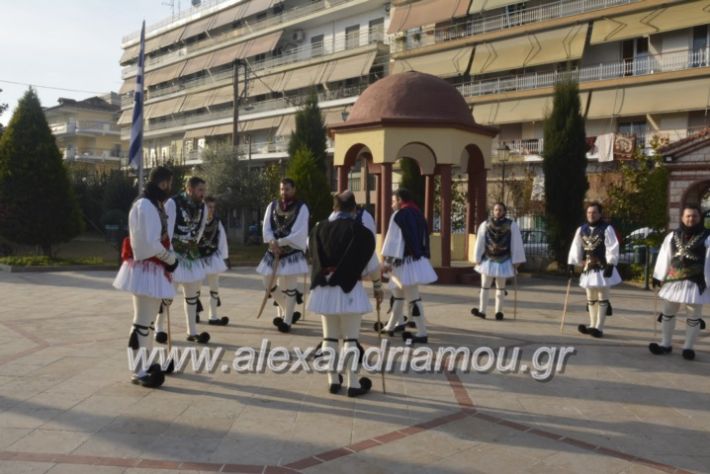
51, 87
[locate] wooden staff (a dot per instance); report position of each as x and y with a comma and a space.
515, 294
277, 257
564, 309
379, 340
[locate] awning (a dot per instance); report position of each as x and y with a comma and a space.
665, 97
305, 77
288, 125
198, 63
261, 45
259, 85
260, 124
126, 117
536, 48
225, 129
226, 55
127, 86
171, 37
164, 74
346, 68
650, 22
198, 27
198, 133
196, 101
515, 111
426, 12
227, 16
222, 95
130, 53
256, 6
479, 6
449, 63
166, 107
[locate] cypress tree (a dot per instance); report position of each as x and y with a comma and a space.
565, 167
37, 202
311, 184
310, 132
412, 180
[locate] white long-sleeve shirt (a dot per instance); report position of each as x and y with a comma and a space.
611, 244
144, 228
297, 238
171, 211
517, 251
665, 255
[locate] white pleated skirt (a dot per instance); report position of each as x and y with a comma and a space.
413, 272
502, 269
189, 271
684, 291
145, 278
214, 264
333, 300
595, 279
294, 264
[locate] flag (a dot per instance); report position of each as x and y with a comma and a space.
135, 149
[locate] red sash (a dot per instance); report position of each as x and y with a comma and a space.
127, 250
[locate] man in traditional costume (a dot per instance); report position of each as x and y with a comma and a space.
342, 248
683, 268
147, 266
187, 216
285, 229
596, 247
499, 251
405, 252
213, 253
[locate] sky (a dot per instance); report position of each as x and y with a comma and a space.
71, 44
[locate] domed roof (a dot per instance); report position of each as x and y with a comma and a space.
411, 98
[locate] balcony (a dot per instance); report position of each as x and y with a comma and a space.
250, 27
529, 146
414, 39
93, 155
252, 107
85, 128
650, 64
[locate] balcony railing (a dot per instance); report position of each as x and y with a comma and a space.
92, 127
256, 107
474, 26
526, 146
93, 154
651, 64
291, 56
250, 27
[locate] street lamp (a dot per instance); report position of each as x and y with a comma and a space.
503, 155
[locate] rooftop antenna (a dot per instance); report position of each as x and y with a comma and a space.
171, 4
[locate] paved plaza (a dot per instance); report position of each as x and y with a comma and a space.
67, 406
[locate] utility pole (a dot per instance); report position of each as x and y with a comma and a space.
235, 107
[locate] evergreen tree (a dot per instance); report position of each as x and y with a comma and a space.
3, 108
37, 202
311, 184
310, 132
565, 167
412, 180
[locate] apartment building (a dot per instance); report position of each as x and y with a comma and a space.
642, 66
86, 132
280, 51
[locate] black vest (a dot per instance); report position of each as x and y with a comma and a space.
341, 249
188, 220
594, 247
209, 243
282, 221
688, 257
414, 232
498, 239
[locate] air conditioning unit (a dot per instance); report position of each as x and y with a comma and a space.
298, 36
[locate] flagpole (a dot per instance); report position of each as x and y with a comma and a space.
135, 151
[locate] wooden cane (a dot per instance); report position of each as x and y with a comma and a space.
171, 365
379, 340
515, 295
277, 257
305, 294
655, 313
564, 308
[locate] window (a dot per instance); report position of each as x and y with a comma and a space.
376, 30
634, 127
635, 55
317, 45
352, 37
701, 39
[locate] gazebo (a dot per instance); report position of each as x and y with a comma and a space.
422, 117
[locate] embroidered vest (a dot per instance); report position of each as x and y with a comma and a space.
498, 240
